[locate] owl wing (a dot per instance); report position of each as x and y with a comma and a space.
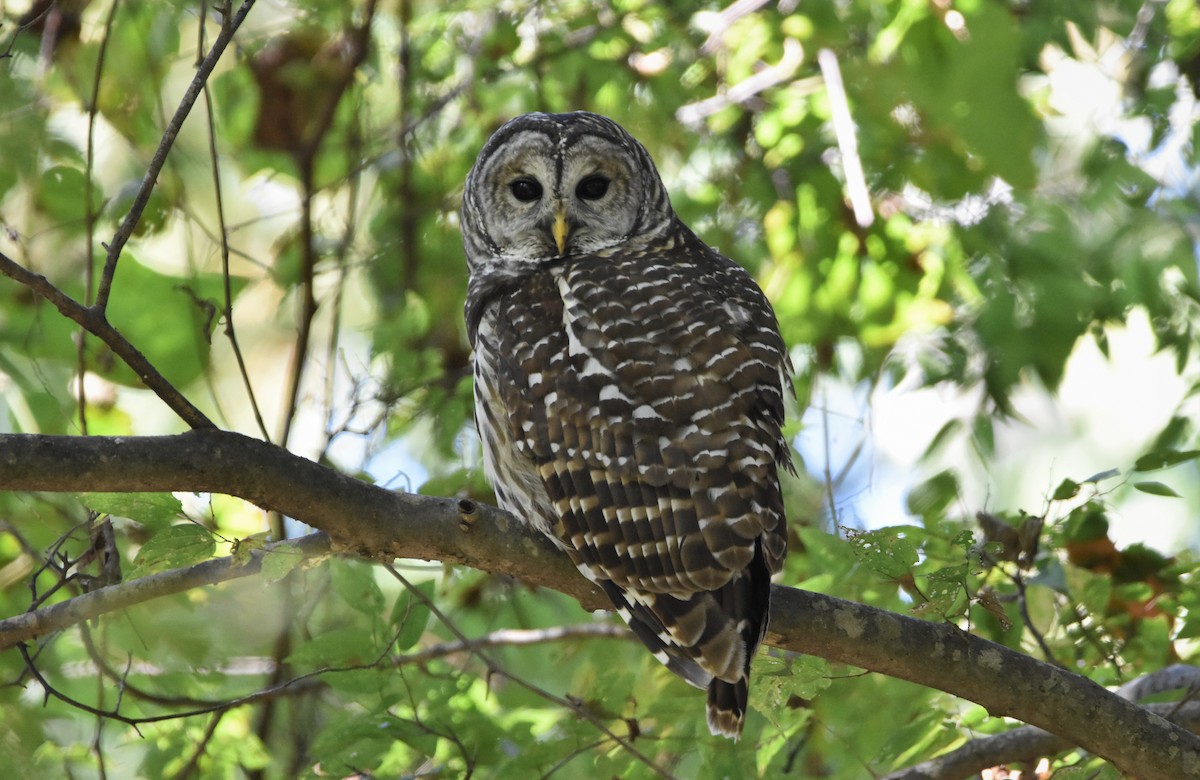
647, 391
649, 396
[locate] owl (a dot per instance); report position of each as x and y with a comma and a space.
629, 392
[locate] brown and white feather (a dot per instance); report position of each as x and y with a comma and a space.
630, 399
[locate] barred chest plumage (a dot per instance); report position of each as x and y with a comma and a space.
630, 409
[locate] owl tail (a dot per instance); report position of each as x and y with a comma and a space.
727, 707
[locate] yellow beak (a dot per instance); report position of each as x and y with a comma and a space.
559, 229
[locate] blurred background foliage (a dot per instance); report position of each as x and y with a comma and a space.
298, 273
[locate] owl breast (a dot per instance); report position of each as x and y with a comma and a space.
631, 410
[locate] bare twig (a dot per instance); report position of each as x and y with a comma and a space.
193, 763
89, 269
516, 637
159, 159
724, 20
496, 669
847, 138
793, 54
223, 234
359, 41
1023, 605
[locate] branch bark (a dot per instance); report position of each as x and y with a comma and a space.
366, 520
1025, 744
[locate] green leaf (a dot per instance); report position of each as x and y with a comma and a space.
888, 551
410, 615
245, 547
174, 548
348, 646
781, 679
175, 332
944, 587
932, 496
1068, 488
1155, 489
157, 510
362, 741
60, 195
354, 582
277, 563
1164, 458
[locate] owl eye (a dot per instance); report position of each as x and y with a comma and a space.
526, 190
592, 188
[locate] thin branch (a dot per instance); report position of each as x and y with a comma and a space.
159, 159
1023, 605
93, 320
306, 162
498, 670
515, 637
1176, 677
193, 762
50, 691
1027, 743
227, 283
726, 19
89, 268
793, 55
28, 625
364, 519
847, 138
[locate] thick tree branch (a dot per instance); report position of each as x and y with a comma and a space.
1025, 744
370, 521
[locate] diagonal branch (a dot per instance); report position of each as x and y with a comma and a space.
203, 70
28, 625
1025, 744
367, 520
93, 320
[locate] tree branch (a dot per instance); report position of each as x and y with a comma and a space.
111, 598
160, 154
95, 321
1025, 744
370, 521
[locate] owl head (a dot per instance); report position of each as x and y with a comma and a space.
547, 186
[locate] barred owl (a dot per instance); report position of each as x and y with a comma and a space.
629, 392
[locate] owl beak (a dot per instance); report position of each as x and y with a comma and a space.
560, 230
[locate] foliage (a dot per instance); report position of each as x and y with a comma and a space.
297, 273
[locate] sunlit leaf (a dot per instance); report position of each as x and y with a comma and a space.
278, 563
933, 495
888, 551
156, 510
174, 548
1155, 489
410, 616
1164, 459
1065, 490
